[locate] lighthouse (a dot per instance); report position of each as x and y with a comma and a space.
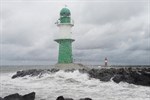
65, 23
106, 62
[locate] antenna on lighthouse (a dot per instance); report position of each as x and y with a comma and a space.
65, 5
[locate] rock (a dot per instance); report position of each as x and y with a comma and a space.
33, 72
62, 98
70, 70
13, 97
68, 99
85, 99
84, 70
142, 78
102, 74
30, 96
1, 98
53, 70
106, 77
16, 96
117, 78
138, 76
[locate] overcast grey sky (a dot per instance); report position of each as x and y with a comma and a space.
116, 29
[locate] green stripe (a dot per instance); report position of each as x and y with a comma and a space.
65, 50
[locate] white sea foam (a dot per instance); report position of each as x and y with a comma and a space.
71, 84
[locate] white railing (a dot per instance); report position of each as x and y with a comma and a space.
59, 23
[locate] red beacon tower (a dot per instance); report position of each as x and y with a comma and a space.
106, 62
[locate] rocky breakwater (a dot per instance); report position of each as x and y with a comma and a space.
34, 72
31, 96
137, 76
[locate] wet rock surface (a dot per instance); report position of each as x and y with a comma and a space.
85, 99
138, 76
62, 98
33, 72
16, 96
31, 96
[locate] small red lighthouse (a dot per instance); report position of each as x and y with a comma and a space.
106, 62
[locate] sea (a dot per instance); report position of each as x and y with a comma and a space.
74, 85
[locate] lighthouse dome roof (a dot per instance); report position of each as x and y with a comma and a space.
65, 12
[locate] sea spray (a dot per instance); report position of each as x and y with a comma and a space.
74, 84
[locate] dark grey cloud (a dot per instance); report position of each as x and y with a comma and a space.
114, 29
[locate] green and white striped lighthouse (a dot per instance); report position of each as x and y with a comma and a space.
65, 24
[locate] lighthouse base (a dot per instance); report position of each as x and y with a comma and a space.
70, 66
65, 51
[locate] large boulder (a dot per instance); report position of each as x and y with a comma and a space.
102, 74
141, 78
62, 98
30, 96
33, 72
133, 76
16, 96
85, 99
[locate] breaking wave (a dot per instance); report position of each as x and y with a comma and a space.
71, 84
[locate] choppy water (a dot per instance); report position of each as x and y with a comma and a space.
71, 84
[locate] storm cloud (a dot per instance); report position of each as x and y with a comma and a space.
116, 29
